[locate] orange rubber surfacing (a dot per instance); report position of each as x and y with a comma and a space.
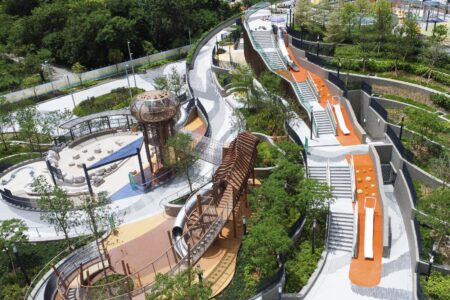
301, 75
367, 272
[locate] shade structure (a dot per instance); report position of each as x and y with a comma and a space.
124, 152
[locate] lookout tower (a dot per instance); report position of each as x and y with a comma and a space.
156, 111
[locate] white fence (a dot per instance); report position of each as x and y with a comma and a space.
74, 80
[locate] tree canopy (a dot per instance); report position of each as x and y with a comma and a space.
84, 31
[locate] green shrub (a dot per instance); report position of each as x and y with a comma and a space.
437, 286
118, 98
441, 100
300, 266
265, 157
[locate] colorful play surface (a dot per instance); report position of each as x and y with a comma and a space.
365, 271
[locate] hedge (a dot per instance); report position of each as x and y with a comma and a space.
441, 100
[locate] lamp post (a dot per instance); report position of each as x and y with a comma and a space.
16, 254
401, 128
244, 224
199, 274
339, 68
313, 244
318, 45
280, 291
128, 80
132, 64
430, 263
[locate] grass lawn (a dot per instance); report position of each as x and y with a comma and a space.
116, 99
410, 101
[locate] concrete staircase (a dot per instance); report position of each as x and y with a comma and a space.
341, 181
266, 41
318, 172
306, 91
323, 122
264, 38
276, 63
341, 231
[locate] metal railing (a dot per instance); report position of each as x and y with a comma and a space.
329, 111
168, 261
312, 85
355, 230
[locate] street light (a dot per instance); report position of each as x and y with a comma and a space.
430, 263
244, 224
339, 68
318, 45
313, 244
128, 80
280, 291
132, 64
16, 254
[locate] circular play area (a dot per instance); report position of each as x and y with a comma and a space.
110, 152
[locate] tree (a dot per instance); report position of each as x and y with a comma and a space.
434, 210
28, 120
383, 21
115, 56
4, 124
362, 8
334, 32
12, 231
435, 52
242, 78
98, 217
58, 208
180, 286
161, 83
348, 11
31, 81
181, 154
303, 12
175, 81
78, 69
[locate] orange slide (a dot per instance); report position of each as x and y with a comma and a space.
366, 271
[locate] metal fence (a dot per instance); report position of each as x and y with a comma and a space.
336, 81
410, 183
378, 108
74, 80
396, 141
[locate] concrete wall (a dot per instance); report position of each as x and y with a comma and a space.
210, 35
96, 74
372, 122
374, 155
405, 202
394, 87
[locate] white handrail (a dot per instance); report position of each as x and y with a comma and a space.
332, 118
355, 230
312, 84
352, 176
